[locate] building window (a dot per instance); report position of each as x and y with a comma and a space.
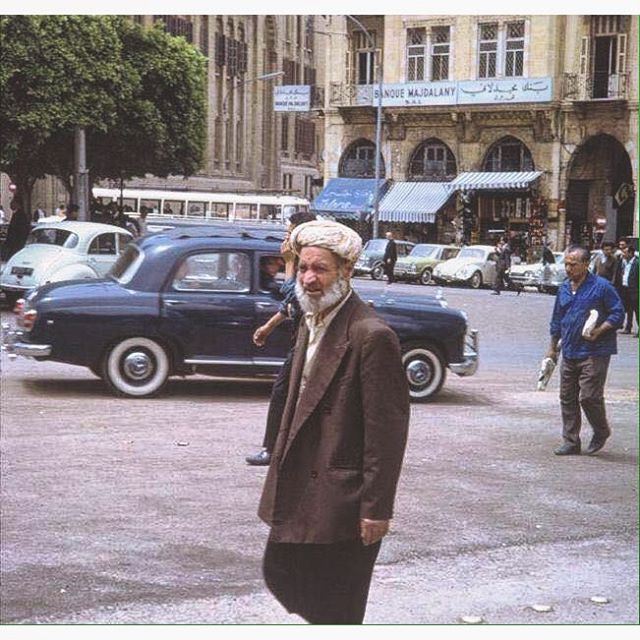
287, 181
204, 35
290, 69
305, 137
177, 26
416, 54
509, 154
488, 51
440, 51
514, 49
432, 161
358, 161
284, 136
307, 187
308, 34
365, 58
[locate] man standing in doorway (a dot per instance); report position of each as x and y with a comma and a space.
330, 489
390, 257
585, 355
628, 286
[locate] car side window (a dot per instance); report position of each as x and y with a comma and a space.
123, 241
214, 271
493, 257
104, 244
447, 254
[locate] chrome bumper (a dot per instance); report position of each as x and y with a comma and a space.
471, 356
14, 346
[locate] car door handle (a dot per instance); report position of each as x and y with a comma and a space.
266, 305
174, 303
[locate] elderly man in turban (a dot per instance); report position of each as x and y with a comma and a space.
330, 489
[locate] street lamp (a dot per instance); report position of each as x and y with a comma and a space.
266, 76
376, 193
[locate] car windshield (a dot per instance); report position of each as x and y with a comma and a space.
424, 251
376, 245
57, 237
468, 252
127, 264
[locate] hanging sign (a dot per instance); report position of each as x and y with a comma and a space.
292, 97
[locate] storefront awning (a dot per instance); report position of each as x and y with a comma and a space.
348, 197
474, 180
414, 201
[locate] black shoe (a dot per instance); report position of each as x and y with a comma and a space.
595, 445
260, 459
568, 449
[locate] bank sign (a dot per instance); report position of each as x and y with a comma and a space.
292, 97
505, 91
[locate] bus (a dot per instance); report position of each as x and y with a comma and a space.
200, 206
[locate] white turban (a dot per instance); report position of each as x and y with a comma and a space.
326, 234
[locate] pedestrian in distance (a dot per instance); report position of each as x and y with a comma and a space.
72, 212
627, 281
17, 231
142, 220
329, 492
606, 265
390, 257
502, 265
289, 308
585, 353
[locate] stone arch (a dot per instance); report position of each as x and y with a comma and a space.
508, 154
358, 160
433, 161
599, 187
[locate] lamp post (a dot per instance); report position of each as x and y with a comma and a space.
266, 76
376, 193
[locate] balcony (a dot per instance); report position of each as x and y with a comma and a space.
350, 95
595, 87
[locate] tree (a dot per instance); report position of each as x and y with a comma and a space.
139, 94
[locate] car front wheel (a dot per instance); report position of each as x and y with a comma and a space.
476, 280
136, 367
425, 371
425, 276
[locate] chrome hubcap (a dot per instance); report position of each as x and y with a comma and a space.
137, 365
419, 372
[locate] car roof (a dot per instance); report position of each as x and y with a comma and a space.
485, 247
82, 228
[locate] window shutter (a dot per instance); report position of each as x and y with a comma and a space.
584, 56
348, 67
621, 66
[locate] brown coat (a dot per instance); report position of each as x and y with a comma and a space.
339, 452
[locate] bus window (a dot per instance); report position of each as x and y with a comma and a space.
269, 212
243, 211
220, 210
153, 206
173, 207
196, 208
129, 204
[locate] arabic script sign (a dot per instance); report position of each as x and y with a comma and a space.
292, 97
510, 91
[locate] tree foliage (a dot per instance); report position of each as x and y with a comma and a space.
139, 94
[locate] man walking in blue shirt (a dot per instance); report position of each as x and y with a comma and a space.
585, 355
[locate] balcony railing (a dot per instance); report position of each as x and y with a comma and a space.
595, 86
350, 95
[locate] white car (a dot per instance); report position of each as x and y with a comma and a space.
547, 278
65, 250
474, 265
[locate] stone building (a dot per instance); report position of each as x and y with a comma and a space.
552, 97
250, 147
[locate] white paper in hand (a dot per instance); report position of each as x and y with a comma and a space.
590, 324
544, 375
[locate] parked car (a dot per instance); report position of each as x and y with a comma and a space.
370, 260
546, 278
474, 266
62, 251
418, 265
188, 301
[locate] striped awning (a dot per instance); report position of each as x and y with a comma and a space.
413, 201
495, 180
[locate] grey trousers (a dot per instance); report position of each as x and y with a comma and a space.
582, 385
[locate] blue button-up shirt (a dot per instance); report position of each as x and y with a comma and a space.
572, 310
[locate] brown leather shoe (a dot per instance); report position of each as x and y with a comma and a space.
568, 449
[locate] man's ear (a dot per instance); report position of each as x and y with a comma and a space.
346, 269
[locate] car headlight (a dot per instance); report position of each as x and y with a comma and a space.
412, 268
437, 270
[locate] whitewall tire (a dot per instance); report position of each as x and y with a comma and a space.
425, 371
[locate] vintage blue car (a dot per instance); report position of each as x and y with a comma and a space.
188, 300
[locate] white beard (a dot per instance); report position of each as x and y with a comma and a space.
336, 292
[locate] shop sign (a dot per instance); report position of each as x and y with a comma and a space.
292, 97
509, 91
624, 192
489, 91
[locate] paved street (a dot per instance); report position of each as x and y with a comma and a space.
144, 511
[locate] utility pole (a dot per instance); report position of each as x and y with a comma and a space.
80, 174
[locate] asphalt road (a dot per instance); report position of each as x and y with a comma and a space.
143, 511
